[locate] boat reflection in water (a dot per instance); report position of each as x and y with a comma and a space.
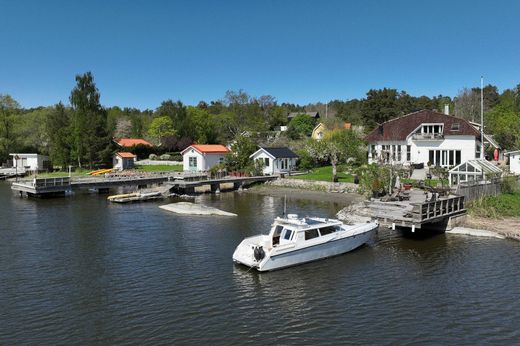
294, 241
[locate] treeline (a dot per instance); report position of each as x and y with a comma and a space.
81, 132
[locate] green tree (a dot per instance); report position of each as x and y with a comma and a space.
380, 106
90, 138
8, 108
504, 123
335, 147
300, 126
204, 125
177, 112
241, 149
160, 128
57, 127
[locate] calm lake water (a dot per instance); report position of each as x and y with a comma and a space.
78, 270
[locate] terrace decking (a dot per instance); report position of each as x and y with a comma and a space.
417, 212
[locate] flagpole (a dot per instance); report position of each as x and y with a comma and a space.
482, 117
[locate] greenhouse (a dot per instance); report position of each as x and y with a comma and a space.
473, 171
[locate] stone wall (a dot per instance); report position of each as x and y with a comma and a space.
315, 185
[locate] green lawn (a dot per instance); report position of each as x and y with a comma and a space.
159, 168
76, 173
503, 205
325, 174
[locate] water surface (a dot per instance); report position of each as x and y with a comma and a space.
78, 270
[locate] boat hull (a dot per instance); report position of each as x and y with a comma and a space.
283, 257
316, 252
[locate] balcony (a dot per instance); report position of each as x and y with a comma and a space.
428, 137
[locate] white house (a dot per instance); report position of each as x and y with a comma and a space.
276, 160
123, 160
424, 137
201, 157
514, 161
30, 162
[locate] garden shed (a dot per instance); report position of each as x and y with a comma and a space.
473, 171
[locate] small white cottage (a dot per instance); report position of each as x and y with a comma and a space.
201, 157
124, 160
30, 162
514, 161
276, 160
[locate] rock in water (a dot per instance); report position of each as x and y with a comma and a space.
355, 213
194, 209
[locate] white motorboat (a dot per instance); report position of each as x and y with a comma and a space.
294, 241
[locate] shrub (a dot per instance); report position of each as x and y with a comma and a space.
509, 185
165, 157
152, 157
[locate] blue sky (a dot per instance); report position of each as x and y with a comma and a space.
144, 52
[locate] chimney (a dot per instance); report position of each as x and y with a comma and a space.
447, 109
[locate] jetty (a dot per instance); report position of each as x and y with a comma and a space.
417, 212
179, 182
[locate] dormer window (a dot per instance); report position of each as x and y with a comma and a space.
432, 129
455, 127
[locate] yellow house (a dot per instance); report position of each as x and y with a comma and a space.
320, 130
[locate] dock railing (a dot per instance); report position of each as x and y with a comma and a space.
49, 182
426, 211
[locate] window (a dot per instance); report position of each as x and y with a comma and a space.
288, 234
192, 162
327, 230
408, 153
437, 157
311, 234
451, 160
455, 127
266, 162
399, 153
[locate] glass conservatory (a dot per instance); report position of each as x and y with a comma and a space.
473, 171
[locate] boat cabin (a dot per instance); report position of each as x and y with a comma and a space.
292, 230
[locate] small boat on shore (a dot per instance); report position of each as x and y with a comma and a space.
135, 197
292, 241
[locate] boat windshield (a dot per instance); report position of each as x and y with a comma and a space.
276, 234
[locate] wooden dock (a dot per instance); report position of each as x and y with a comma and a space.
415, 214
180, 182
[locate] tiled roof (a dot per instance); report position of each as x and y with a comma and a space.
210, 148
130, 142
399, 129
126, 155
281, 152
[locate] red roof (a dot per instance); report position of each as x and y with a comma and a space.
209, 148
130, 142
126, 155
399, 129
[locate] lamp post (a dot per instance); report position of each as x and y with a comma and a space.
16, 158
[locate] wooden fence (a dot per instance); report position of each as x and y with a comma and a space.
473, 191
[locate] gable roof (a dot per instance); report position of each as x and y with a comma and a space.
126, 155
282, 152
208, 148
400, 128
311, 114
130, 142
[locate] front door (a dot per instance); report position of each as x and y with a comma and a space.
192, 163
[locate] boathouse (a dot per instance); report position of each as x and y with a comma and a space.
201, 157
124, 160
30, 162
276, 160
